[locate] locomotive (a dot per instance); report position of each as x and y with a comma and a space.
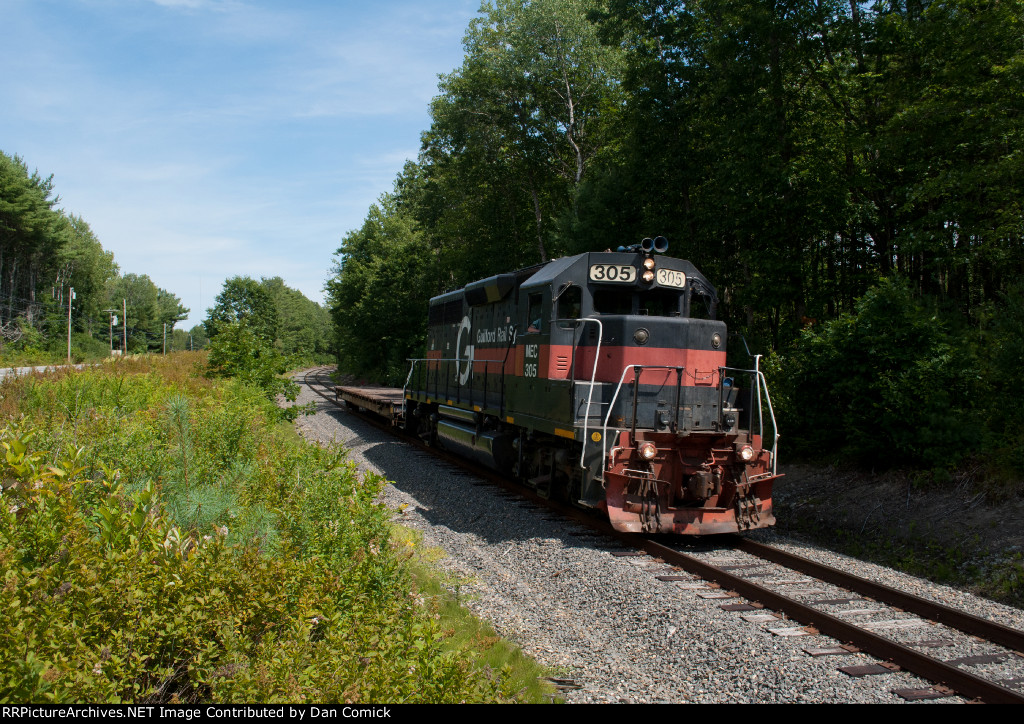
601, 379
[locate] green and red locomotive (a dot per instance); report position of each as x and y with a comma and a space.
601, 379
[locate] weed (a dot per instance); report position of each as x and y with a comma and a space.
162, 541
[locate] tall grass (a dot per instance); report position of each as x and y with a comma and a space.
160, 541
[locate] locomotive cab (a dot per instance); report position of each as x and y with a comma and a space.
602, 378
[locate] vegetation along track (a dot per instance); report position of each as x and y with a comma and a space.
834, 592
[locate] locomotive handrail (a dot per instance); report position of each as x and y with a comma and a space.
611, 405
761, 383
775, 427
471, 362
405, 387
593, 374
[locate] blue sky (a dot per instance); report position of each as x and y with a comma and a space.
203, 139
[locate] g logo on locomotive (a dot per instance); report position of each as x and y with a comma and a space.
463, 374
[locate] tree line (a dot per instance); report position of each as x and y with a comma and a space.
281, 317
45, 253
259, 330
819, 160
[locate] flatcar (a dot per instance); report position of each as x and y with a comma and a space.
601, 379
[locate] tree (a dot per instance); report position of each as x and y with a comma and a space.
89, 269
524, 109
237, 351
304, 327
199, 338
379, 293
44, 254
28, 244
149, 308
245, 301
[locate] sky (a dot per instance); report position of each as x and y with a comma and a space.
205, 139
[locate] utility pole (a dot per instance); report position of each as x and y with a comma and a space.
124, 318
112, 317
165, 338
71, 295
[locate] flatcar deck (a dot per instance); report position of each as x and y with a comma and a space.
383, 401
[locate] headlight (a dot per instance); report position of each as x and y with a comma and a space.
649, 263
648, 276
746, 453
647, 450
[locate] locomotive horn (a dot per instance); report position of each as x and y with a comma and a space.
647, 244
660, 244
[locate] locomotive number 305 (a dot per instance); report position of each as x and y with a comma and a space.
623, 273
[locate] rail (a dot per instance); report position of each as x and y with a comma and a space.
760, 386
636, 390
467, 393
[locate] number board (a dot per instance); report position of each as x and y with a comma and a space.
615, 273
671, 278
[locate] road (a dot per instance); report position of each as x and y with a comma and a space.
18, 371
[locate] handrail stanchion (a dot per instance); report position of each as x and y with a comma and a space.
611, 407
761, 382
636, 397
593, 377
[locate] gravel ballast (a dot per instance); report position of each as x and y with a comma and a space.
604, 622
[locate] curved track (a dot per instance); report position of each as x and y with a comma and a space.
1007, 643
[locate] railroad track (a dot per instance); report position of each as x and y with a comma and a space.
831, 593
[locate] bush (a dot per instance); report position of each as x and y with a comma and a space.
1005, 374
215, 563
888, 385
236, 351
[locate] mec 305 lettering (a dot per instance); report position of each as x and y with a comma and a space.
531, 351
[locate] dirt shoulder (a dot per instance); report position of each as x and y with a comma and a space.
949, 533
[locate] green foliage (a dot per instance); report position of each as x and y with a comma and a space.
888, 385
1004, 373
149, 309
243, 302
279, 317
29, 239
379, 294
797, 154
304, 327
44, 254
238, 352
215, 563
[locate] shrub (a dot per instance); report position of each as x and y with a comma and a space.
213, 564
236, 351
888, 384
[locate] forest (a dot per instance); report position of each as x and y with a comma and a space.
50, 260
848, 174
46, 253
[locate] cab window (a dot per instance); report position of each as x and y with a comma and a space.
702, 306
661, 302
613, 301
535, 314
570, 303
